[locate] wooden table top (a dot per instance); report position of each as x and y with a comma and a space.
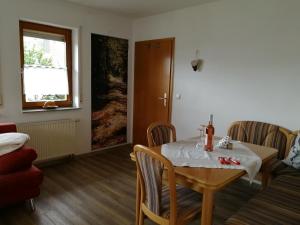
215, 178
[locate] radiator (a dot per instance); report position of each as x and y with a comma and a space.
51, 139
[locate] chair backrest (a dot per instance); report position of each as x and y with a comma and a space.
150, 167
7, 127
159, 133
261, 133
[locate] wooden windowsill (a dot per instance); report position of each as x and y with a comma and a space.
49, 110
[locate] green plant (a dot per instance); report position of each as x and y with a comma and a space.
35, 56
53, 97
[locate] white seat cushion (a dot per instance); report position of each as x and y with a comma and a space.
10, 142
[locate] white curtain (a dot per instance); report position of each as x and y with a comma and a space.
45, 81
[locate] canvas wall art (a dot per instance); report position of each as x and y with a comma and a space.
109, 90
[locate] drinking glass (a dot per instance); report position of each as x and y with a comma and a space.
201, 142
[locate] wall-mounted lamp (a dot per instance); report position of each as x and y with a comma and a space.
197, 63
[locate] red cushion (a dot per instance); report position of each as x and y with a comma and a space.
18, 181
17, 160
7, 127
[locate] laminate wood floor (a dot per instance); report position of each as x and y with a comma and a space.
99, 189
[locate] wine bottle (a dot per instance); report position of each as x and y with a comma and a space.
209, 135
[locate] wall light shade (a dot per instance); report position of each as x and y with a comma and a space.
197, 64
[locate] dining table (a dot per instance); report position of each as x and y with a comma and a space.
208, 181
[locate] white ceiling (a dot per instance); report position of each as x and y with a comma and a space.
139, 8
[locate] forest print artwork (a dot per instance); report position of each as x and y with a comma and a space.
109, 90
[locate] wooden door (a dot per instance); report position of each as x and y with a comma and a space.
153, 81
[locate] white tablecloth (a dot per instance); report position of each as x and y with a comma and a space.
189, 153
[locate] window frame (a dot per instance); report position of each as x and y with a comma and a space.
67, 33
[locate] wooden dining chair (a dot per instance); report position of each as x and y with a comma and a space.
164, 205
159, 133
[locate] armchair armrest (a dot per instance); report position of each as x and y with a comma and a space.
17, 160
8, 127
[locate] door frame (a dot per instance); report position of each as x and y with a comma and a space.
171, 82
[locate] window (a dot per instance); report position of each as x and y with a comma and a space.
46, 61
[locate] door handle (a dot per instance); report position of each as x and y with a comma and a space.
164, 99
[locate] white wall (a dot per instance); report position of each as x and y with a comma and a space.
251, 52
64, 14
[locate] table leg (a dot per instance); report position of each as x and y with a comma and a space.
265, 178
138, 199
266, 169
207, 207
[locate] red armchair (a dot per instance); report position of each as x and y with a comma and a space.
19, 179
